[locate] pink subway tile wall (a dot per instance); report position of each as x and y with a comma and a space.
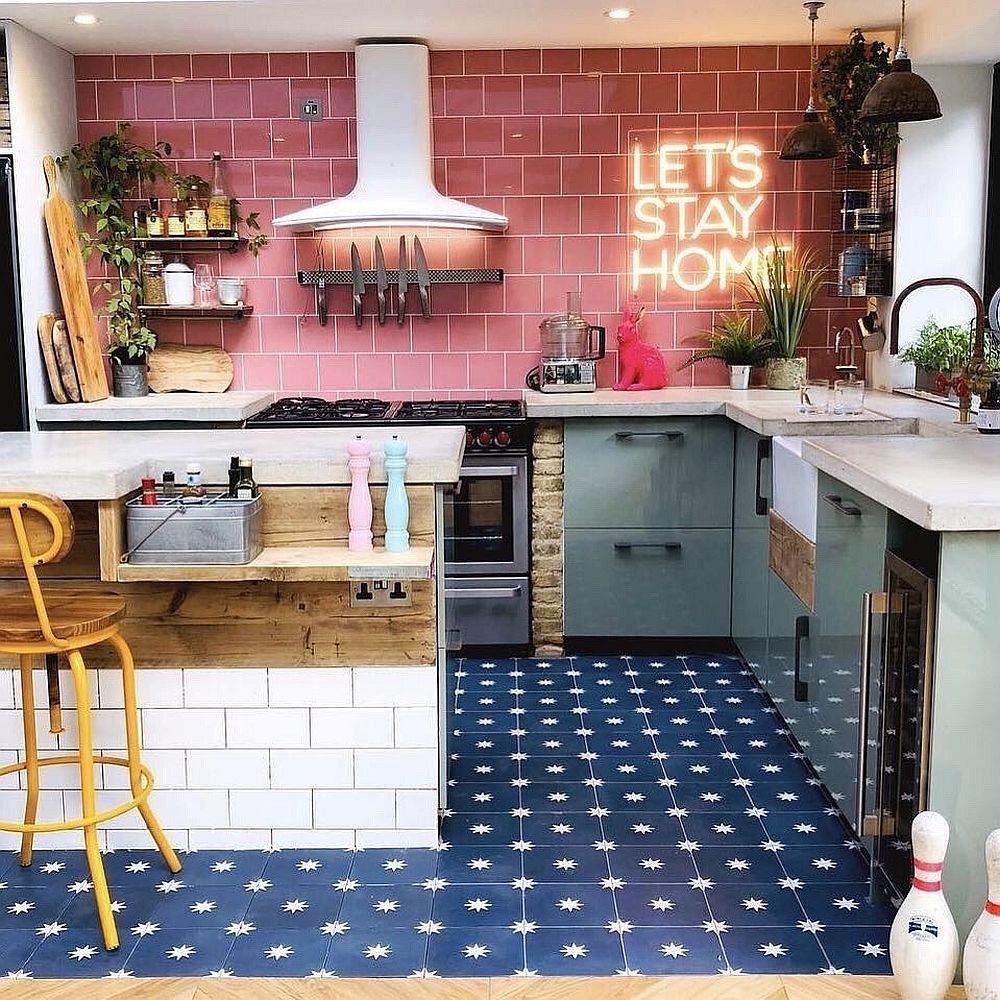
541, 135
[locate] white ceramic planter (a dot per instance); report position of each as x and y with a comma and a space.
785, 373
739, 376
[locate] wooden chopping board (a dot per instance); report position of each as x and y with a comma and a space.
194, 368
62, 348
71, 274
45, 324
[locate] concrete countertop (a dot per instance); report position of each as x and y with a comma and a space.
104, 465
165, 407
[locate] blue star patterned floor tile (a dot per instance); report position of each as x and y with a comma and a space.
605, 815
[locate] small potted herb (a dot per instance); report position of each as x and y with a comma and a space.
784, 293
732, 342
939, 353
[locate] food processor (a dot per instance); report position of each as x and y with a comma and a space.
569, 355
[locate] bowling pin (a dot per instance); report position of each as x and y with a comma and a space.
923, 942
359, 502
981, 959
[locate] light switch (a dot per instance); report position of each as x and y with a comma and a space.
310, 109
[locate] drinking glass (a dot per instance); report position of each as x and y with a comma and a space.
814, 396
204, 281
849, 396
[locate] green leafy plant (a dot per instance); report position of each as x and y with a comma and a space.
186, 184
845, 76
113, 168
939, 348
785, 292
733, 342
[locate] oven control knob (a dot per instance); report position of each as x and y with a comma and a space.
470, 439
485, 439
502, 439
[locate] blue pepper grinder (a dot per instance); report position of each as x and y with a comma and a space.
397, 506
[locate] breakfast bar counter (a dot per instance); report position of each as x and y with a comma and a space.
288, 701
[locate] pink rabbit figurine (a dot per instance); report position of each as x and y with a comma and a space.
641, 365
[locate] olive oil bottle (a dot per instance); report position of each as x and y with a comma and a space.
220, 205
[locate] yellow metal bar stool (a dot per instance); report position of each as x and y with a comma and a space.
36, 530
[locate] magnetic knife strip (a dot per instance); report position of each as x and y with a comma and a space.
438, 276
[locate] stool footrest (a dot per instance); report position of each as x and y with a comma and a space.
146, 786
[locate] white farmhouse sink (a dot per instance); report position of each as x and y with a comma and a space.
793, 485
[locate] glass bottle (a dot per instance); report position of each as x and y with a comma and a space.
155, 226
175, 220
193, 491
246, 488
220, 206
195, 216
139, 222
154, 285
234, 474
169, 484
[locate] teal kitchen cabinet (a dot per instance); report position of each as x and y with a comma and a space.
751, 502
648, 527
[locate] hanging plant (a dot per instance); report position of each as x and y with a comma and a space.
845, 76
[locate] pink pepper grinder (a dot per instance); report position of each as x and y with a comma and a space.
359, 504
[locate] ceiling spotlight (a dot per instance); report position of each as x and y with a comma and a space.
619, 13
86, 19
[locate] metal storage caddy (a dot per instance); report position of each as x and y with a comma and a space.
220, 531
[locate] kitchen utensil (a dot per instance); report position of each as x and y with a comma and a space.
192, 368
230, 291
45, 323
868, 220
71, 275
358, 283
63, 350
854, 263
381, 279
204, 281
179, 279
321, 310
404, 277
423, 278
872, 332
570, 348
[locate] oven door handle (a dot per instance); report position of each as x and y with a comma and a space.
479, 471
484, 593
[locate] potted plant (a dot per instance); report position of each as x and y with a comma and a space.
732, 342
939, 353
113, 168
845, 76
784, 293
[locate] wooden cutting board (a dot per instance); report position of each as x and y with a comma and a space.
45, 323
194, 368
71, 274
62, 348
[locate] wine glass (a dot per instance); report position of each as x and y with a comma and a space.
204, 281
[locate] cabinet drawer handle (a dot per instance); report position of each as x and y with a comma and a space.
666, 546
801, 632
483, 593
844, 506
669, 435
763, 454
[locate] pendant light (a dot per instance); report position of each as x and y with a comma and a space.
901, 95
811, 140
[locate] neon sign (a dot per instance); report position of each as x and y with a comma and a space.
702, 199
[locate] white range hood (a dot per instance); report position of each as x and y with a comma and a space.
395, 184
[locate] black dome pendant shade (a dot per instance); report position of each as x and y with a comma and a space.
901, 95
812, 140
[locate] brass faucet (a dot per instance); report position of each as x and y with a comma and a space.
975, 372
850, 369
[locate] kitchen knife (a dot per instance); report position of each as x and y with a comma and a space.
358, 283
321, 310
382, 280
423, 278
404, 266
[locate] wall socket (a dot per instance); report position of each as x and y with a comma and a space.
380, 594
310, 109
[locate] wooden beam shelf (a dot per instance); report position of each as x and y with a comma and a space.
296, 564
197, 312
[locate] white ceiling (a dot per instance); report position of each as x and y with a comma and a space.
318, 25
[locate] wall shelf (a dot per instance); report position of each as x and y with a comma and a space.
296, 564
438, 276
197, 312
189, 244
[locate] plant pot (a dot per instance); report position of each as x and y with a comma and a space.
129, 379
785, 373
739, 376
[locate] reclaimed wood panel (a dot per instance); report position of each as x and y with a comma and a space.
81, 562
793, 557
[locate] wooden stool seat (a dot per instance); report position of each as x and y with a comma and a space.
35, 530
72, 616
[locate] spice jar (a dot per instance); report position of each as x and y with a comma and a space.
154, 286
